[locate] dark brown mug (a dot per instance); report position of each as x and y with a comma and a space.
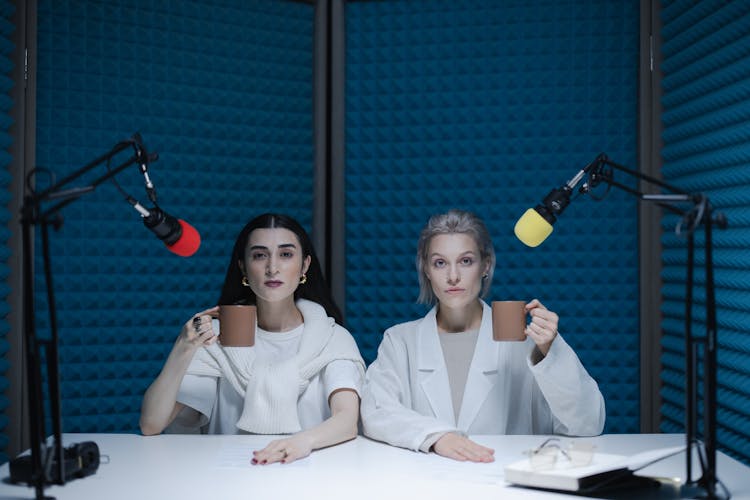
508, 320
237, 325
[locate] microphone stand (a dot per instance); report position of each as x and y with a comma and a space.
48, 461
700, 213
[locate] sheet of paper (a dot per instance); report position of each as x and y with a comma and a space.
442, 468
239, 455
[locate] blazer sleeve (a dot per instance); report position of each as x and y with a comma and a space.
387, 412
573, 397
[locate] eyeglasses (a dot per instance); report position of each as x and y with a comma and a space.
545, 456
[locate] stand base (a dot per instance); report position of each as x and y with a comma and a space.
632, 486
81, 460
696, 490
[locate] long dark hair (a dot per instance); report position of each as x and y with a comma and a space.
316, 289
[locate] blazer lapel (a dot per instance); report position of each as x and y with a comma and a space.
433, 375
483, 372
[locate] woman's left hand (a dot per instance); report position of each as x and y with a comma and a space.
543, 326
283, 450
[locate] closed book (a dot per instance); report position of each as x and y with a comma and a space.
603, 472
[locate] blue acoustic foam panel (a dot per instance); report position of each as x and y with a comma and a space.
223, 92
487, 106
706, 91
7, 47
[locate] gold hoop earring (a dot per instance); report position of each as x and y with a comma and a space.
303, 279
245, 282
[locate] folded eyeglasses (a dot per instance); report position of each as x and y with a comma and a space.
575, 454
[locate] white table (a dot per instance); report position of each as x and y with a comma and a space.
218, 467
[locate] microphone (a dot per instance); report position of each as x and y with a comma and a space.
179, 237
535, 225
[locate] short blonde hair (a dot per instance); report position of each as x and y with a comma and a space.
453, 221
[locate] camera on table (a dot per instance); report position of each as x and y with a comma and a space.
81, 460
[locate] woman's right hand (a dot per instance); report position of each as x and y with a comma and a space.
198, 331
160, 406
463, 449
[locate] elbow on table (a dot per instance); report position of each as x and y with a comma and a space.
349, 430
594, 425
149, 428
593, 429
602, 416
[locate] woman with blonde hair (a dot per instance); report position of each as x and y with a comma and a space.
441, 378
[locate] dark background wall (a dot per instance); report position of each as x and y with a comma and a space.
707, 149
223, 92
487, 106
7, 29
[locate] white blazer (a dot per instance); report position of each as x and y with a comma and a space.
407, 397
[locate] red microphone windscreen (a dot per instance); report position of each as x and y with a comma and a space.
188, 243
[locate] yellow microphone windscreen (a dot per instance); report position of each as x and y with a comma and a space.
532, 229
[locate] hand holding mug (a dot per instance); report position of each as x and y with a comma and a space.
543, 325
197, 331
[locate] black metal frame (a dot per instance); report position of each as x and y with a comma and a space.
47, 461
699, 212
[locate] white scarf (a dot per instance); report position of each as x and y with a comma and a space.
271, 389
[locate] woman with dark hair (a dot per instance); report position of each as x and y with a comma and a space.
441, 378
315, 289
301, 377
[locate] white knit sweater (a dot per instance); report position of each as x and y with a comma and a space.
271, 390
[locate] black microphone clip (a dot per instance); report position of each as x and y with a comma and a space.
163, 225
554, 203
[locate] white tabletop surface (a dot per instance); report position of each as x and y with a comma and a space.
218, 467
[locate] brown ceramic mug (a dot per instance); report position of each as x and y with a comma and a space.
237, 325
508, 320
